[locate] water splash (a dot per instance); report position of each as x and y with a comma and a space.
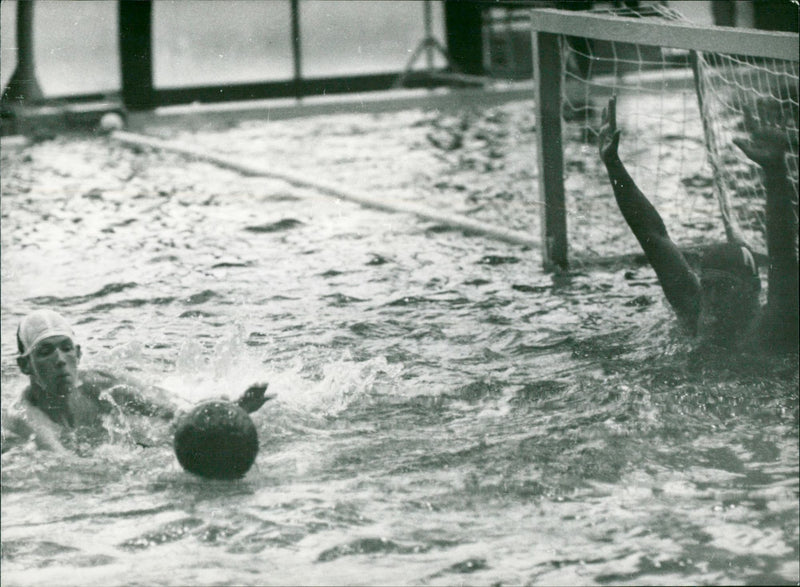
321, 383
225, 370
336, 383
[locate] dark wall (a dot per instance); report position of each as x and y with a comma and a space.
768, 15
463, 21
775, 15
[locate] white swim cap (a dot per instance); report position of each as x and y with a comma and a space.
37, 326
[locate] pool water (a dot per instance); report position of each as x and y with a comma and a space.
446, 413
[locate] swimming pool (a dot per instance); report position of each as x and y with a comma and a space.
446, 413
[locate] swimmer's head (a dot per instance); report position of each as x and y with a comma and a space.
730, 287
39, 325
47, 351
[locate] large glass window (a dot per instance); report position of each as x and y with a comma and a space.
75, 46
221, 41
218, 42
359, 37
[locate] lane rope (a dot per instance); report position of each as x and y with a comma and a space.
369, 201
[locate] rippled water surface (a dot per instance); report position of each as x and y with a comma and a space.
446, 413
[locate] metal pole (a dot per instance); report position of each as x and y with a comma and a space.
296, 50
23, 86
136, 54
428, 36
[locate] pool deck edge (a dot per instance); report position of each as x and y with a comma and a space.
193, 115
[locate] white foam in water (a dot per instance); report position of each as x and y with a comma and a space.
326, 384
346, 381
342, 382
224, 371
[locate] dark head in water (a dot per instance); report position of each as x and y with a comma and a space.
216, 439
729, 286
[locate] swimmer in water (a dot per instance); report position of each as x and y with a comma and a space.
721, 303
60, 396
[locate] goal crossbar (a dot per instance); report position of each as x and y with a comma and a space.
772, 45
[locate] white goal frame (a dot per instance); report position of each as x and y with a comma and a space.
549, 24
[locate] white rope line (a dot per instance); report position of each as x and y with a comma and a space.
329, 189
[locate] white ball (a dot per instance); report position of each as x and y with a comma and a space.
111, 121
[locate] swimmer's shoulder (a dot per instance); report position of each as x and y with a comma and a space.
23, 399
14, 416
23, 421
110, 390
14, 430
93, 382
23, 405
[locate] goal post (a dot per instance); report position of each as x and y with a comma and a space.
689, 87
549, 149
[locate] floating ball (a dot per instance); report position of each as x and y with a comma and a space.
111, 121
216, 439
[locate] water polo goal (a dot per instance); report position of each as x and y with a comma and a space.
683, 94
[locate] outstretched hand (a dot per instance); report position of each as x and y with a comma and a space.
767, 144
254, 397
608, 139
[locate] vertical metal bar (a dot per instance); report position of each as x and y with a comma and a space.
462, 23
23, 86
136, 53
428, 36
296, 50
547, 83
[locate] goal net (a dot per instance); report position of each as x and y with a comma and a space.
679, 111
736, 92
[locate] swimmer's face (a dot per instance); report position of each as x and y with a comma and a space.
727, 306
53, 364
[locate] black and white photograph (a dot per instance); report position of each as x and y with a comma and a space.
399, 292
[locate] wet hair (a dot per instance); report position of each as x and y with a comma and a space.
731, 260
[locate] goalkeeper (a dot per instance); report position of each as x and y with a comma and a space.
720, 303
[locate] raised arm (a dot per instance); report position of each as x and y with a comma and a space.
680, 284
767, 146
